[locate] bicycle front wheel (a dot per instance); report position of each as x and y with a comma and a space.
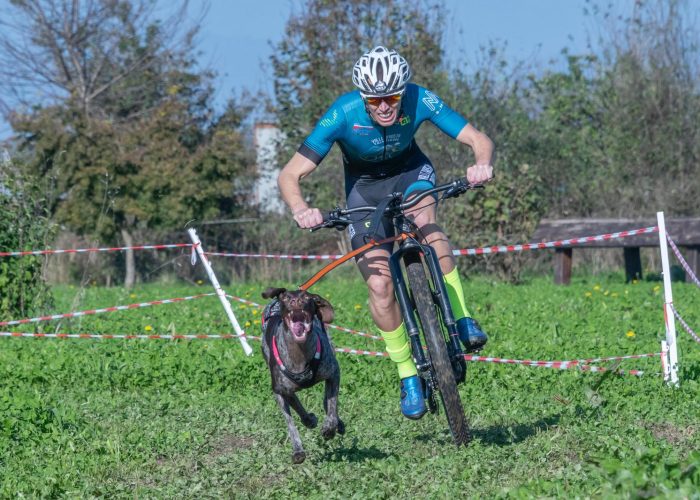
437, 351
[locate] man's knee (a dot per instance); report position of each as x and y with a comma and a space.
380, 287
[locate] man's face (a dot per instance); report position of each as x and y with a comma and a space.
384, 110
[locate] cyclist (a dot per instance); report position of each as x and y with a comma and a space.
375, 128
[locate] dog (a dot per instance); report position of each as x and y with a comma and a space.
299, 354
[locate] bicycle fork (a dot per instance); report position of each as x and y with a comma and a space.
409, 251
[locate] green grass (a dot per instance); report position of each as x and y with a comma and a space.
154, 418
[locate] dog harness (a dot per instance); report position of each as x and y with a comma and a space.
304, 378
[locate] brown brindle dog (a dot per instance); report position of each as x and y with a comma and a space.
300, 355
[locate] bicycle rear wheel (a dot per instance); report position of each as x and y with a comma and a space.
437, 350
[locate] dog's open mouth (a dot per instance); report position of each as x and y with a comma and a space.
298, 329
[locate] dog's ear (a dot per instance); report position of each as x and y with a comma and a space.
273, 292
324, 309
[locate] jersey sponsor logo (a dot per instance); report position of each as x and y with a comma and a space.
427, 173
404, 120
351, 231
431, 100
328, 122
377, 141
361, 129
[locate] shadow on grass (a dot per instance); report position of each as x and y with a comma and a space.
498, 435
504, 435
354, 454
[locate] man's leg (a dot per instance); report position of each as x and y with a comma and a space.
374, 266
470, 333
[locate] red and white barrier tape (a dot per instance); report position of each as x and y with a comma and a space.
468, 251
687, 328
275, 256
122, 336
104, 310
88, 250
561, 365
554, 244
680, 258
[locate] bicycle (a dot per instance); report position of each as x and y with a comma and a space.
426, 297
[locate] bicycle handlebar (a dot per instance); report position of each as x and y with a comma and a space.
336, 217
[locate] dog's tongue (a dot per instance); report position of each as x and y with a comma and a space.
298, 328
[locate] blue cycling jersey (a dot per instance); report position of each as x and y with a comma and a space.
368, 148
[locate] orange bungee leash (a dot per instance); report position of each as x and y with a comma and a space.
328, 268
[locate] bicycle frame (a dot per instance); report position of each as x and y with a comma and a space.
444, 366
409, 249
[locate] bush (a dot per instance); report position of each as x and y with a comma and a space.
23, 225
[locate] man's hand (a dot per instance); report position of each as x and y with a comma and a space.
307, 218
479, 174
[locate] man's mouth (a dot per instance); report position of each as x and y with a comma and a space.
386, 115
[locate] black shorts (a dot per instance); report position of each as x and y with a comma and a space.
417, 174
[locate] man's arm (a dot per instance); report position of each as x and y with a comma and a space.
288, 181
482, 170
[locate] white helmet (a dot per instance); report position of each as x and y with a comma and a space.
381, 72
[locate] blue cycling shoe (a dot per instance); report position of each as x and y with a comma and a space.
471, 334
412, 398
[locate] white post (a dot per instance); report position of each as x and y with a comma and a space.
671, 373
665, 367
219, 291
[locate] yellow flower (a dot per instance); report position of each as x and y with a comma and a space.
588, 294
199, 282
148, 328
255, 312
247, 324
132, 296
614, 294
657, 288
630, 334
606, 292
358, 307
634, 282
256, 321
596, 288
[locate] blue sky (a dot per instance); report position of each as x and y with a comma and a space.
236, 34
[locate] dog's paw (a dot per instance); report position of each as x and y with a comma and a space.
298, 457
310, 421
341, 427
328, 432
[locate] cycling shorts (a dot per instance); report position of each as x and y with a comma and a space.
416, 174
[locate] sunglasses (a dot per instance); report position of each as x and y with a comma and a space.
389, 99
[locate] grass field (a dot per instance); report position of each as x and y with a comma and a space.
164, 419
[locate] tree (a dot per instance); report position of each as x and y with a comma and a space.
127, 130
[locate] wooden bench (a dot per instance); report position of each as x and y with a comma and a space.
685, 232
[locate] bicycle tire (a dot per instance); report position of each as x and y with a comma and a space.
437, 350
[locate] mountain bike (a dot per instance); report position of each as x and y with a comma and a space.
422, 297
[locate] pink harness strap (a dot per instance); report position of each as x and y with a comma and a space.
276, 353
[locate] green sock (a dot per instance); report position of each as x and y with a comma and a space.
456, 295
399, 351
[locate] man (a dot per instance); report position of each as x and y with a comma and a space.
375, 129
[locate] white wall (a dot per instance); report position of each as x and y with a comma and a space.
266, 137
